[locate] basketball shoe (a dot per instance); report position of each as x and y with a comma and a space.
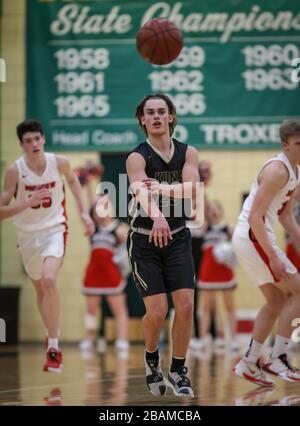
252, 371
53, 361
180, 383
282, 368
155, 379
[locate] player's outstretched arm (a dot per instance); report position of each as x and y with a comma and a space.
273, 178
65, 169
10, 186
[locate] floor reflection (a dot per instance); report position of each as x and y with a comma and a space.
91, 379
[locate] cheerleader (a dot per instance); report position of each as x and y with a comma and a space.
106, 273
216, 276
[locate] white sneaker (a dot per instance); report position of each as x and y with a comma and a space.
101, 345
252, 372
155, 378
282, 368
86, 345
180, 383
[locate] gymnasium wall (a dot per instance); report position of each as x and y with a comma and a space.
233, 173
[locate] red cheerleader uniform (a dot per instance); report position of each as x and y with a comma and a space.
213, 275
102, 275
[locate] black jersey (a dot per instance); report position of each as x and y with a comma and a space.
164, 172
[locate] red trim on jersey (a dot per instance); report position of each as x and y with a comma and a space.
261, 252
63, 204
293, 256
289, 194
16, 191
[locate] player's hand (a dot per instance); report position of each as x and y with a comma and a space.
37, 197
152, 185
279, 269
161, 232
89, 224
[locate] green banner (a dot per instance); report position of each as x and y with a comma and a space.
232, 83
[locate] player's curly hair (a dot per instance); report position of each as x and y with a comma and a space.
139, 112
290, 127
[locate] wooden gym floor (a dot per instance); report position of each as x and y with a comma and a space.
112, 379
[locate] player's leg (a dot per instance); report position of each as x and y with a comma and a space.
179, 276
249, 256
278, 363
248, 367
119, 309
156, 312
51, 300
146, 264
291, 308
183, 301
39, 291
147, 267
51, 309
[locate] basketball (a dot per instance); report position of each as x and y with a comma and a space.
159, 41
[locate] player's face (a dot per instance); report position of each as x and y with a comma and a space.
156, 117
33, 143
292, 147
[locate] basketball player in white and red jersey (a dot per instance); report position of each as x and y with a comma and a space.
271, 198
39, 215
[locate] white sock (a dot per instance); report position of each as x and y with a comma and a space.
280, 346
52, 343
253, 351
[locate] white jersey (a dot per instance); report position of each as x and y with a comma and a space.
51, 211
278, 203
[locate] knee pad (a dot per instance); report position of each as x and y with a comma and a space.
90, 322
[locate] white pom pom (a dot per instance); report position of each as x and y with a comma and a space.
223, 253
120, 258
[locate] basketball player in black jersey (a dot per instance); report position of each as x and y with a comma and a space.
159, 244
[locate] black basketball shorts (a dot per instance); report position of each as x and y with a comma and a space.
161, 270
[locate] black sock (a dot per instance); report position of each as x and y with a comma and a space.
177, 363
152, 356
